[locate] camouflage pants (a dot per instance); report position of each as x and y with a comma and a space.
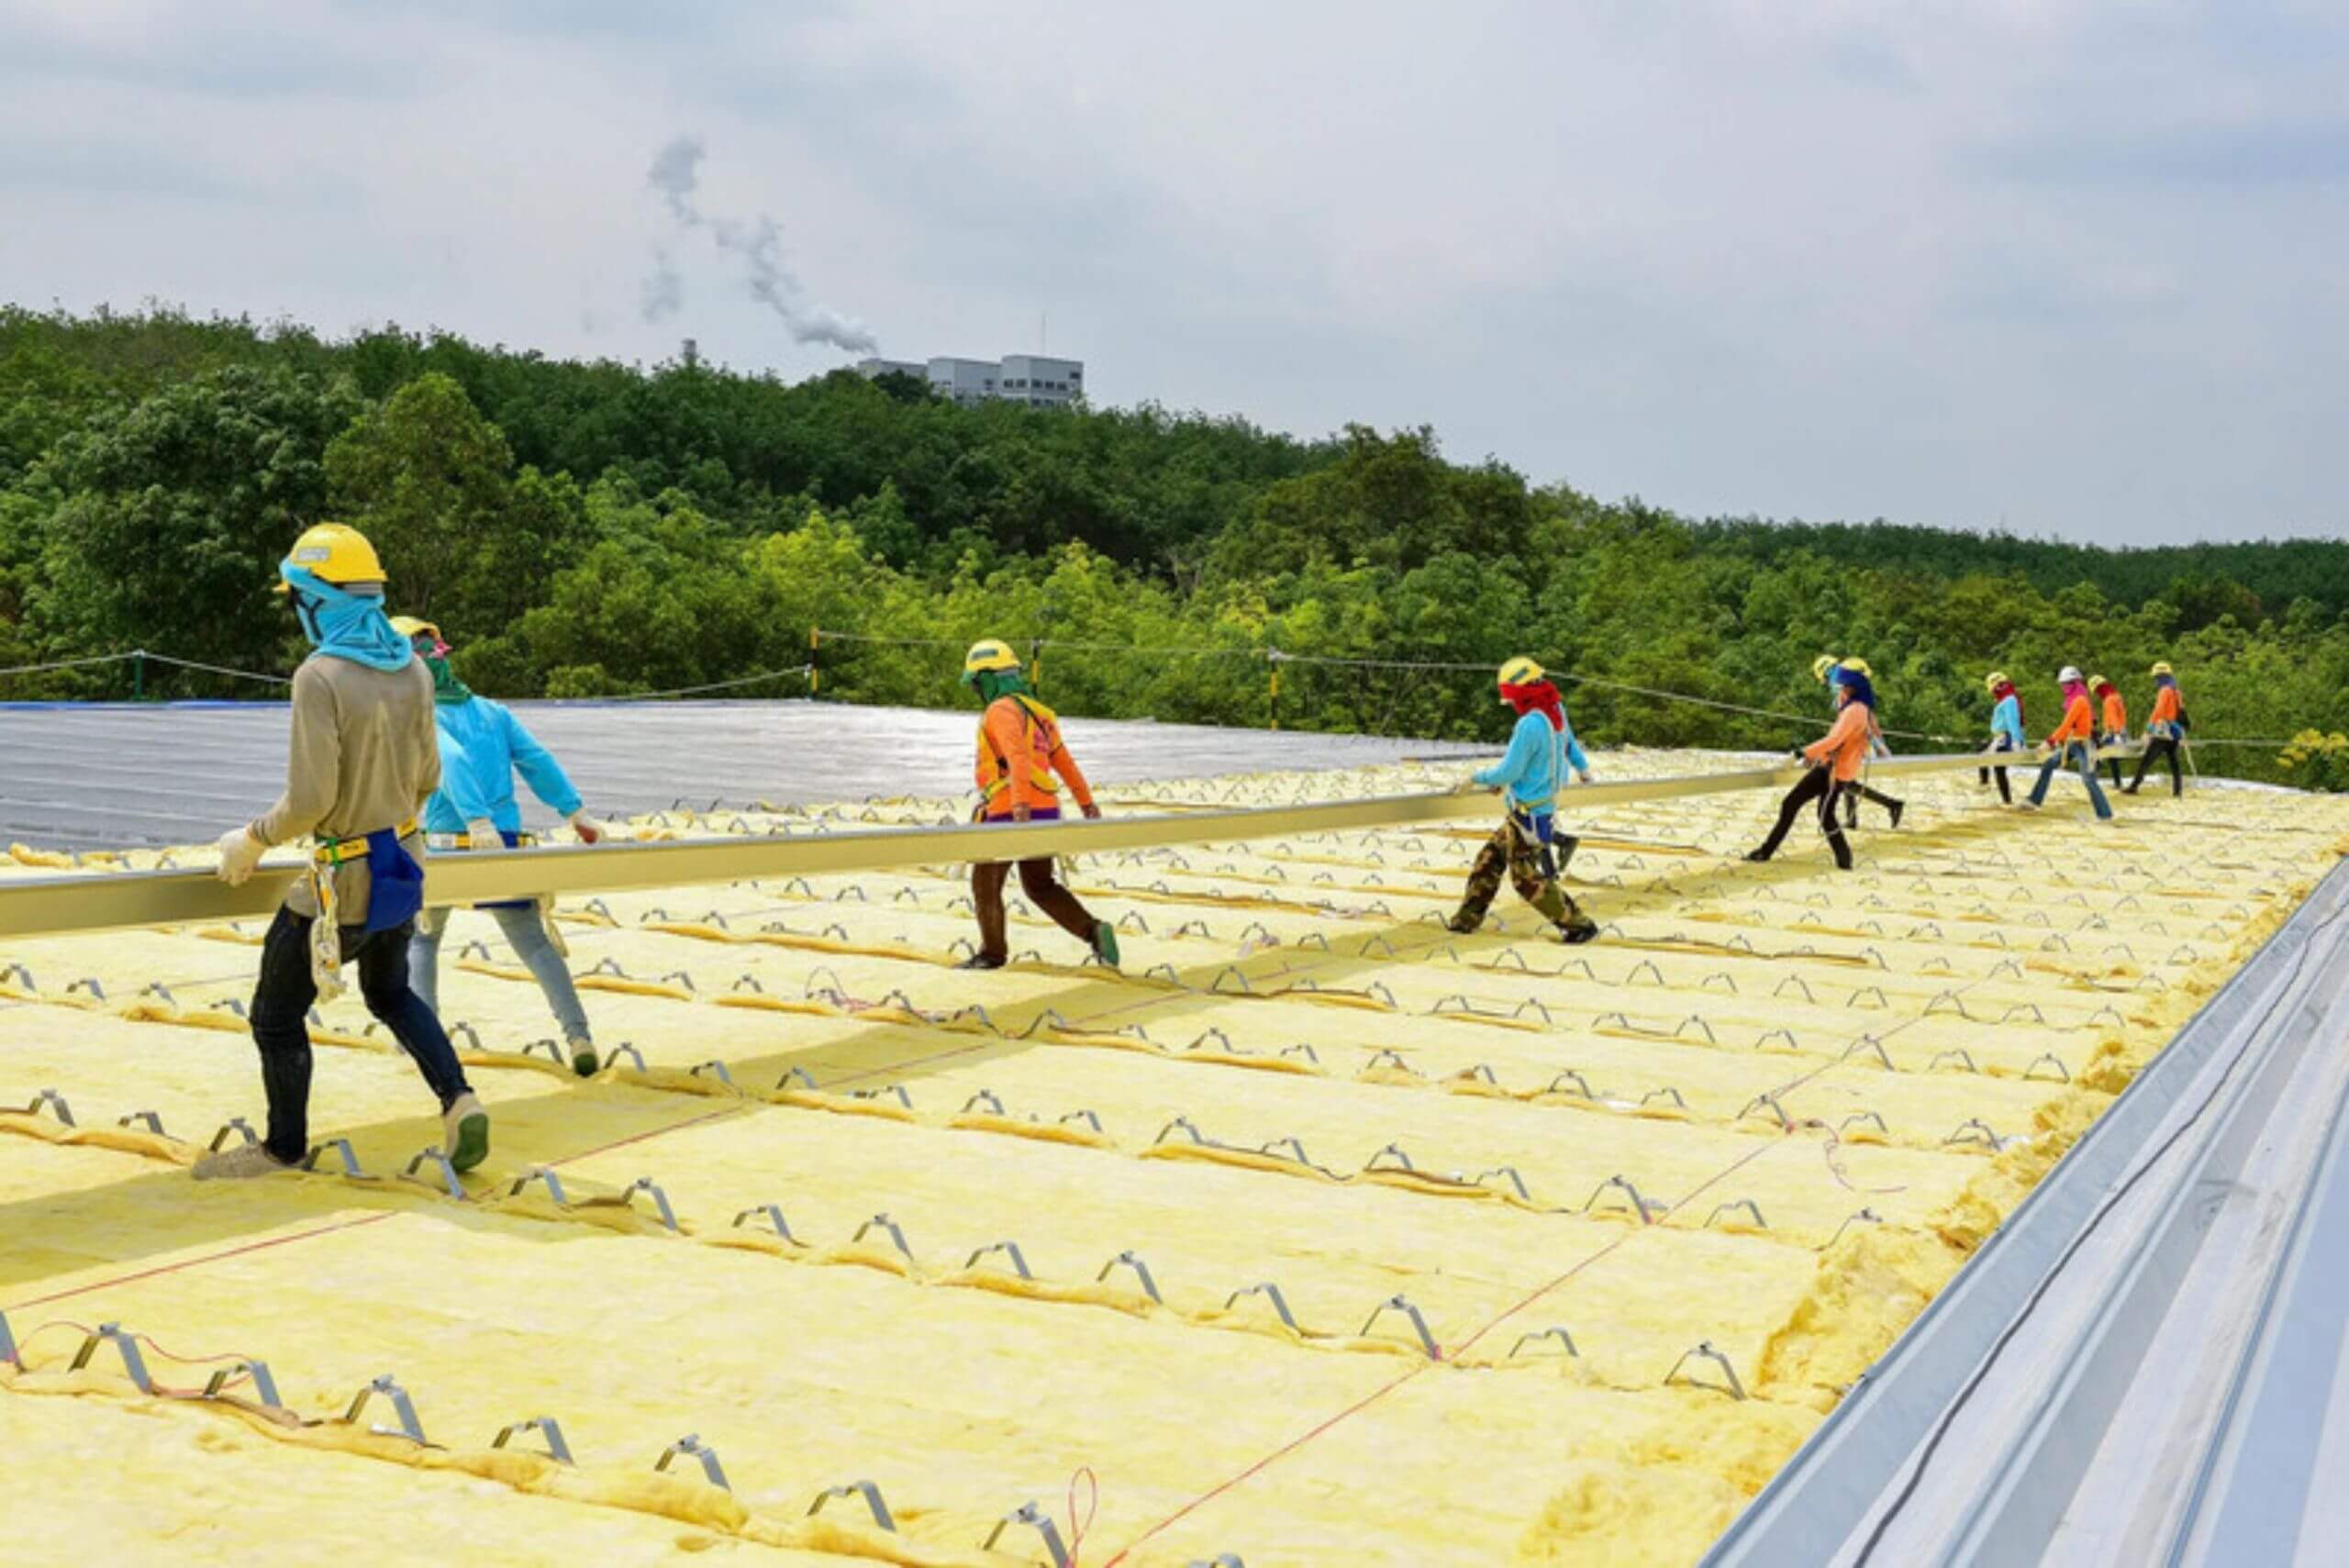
1512, 848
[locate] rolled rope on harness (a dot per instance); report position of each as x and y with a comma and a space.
549, 1432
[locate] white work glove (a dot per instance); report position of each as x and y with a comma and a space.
590, 831
481, 833
1467, 786
240, 853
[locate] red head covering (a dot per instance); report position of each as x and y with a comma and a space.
1540, 695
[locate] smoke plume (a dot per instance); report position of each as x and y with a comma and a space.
755, 244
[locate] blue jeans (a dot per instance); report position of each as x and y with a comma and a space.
2073, 754
527, 934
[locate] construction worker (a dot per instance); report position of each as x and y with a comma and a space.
2165, 731
1541, 748
1019, 752
361, 762
2113, 729
2006, 727
483, 746
1830, 669
2073, 743
1835, 759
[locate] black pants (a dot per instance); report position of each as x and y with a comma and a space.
1817, 786
280, 1009
1855, 793
2114, 740
2163, 747
1043, 890
2006, 792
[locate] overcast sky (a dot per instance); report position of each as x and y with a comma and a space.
2076, 269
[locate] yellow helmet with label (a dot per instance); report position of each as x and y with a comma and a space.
334, 552
988, 654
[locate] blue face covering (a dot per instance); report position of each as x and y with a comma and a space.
344, 625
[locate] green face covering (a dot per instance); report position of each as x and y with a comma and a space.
446, 687
994, 684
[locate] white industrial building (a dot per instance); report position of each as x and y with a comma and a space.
1031, 379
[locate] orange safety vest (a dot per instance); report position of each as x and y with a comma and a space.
1041, 727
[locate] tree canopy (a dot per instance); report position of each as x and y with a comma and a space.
583, 530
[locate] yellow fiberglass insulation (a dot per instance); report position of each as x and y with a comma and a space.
1318, 1235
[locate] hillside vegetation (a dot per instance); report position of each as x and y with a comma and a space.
587, 530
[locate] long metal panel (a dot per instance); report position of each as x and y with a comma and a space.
54, 906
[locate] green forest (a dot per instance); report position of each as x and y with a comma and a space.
601, 529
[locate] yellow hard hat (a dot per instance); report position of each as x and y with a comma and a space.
1820, 665
408, 626
2096, 681
1519, 672
334, 552
1994, 680
2162, 668
988, 654
1859, 667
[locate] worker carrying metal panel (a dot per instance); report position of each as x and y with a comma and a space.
1529, 775
1023, 762
483, 748
360, 765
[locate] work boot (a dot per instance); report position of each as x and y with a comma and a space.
1581, 928
1104, 942
464, 1132
1759, 857
582, 1056
981, 961
1463, 923
236, 1164
1898, 807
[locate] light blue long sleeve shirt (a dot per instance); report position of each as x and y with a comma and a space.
1531, 770
2006, 719
482, 747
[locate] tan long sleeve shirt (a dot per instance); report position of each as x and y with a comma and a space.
363, 757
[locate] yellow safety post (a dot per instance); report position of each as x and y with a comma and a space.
1273, 661
815, 641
